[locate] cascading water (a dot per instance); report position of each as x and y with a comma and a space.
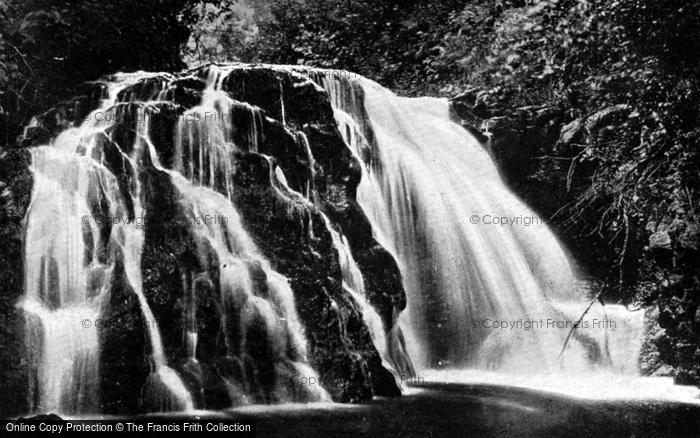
64, 279
432, 193
69, 262
205, 135
248, 305
205, 143
427, 187
68, 266
355, 285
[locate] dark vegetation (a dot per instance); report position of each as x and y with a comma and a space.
594, 104
49, 47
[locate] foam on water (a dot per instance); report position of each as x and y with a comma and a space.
594, 386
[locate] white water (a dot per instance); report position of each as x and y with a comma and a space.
243, 301
355, 285
598, 386
204, 137
205, 142
68, 267
68, 271
67, 281
424, 179
484, 299
63, 281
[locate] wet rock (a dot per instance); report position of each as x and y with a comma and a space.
16, 183
145, 89
164, 118
64, 115
35, 136
292, 234
125, 351
471, 113
288, 229
169, 255
259, 87
664, 371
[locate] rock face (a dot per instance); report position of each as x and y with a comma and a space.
520, 142
674, 246
284, 124
15, 195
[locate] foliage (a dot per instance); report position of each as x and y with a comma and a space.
586, 58
391, 41
226, 30
47, 47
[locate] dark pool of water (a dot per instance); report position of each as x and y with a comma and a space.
459, 410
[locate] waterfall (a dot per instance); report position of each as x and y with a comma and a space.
310, 185
488, 285
64, 279
434, 198
70, 258
208, 134
247, 304
69, 262
211, 140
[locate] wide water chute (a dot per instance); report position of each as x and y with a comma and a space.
488, 285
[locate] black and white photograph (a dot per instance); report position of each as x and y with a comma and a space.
350, 218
